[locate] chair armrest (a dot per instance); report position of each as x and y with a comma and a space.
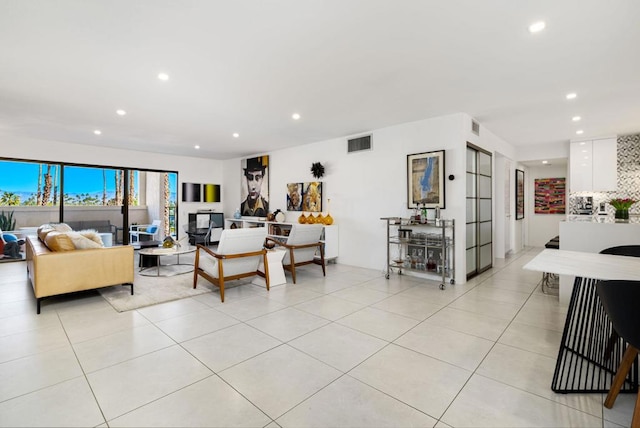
230, 256
208, 251
276, 242
294, 247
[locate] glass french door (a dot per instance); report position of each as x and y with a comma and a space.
479, 223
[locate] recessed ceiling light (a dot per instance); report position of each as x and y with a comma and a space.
196, 147
121, 112
579, 132
576, 118
571, 96
236, 135
295, 116
163, 76
545, 162
537, 27
97, 132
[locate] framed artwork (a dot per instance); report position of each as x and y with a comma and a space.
425, 180
211, 193
519, 194
550, 196
191, 192
312, 196
255, 186
294, 196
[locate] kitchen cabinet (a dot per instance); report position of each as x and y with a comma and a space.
593, 165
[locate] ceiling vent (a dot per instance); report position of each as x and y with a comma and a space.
359, 144
475, 127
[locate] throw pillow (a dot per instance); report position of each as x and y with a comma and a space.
61, 227
9, 237
57, 241
43, 230
82, 242
93, 235
1, 247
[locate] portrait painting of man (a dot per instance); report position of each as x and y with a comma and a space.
255, 187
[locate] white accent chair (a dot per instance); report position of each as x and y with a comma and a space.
302, 246
238, 256
138, 230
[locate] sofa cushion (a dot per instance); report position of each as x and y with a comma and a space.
85, 239
43, 231
58, 241
61, 227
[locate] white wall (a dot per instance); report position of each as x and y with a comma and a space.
365, 186
190, 170
368, 185
542, 227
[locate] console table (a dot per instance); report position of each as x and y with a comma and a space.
590, 352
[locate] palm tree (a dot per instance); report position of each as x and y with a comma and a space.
46, 194
119, 177
55, 185
39, 195
131, 188
104, 187
165, 187
9, 198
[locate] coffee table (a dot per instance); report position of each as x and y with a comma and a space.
169, 269
145, 244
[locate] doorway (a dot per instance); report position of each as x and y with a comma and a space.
479, 220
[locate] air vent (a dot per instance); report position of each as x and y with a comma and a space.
475, 127
359, 144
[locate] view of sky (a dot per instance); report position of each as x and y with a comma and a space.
22, 177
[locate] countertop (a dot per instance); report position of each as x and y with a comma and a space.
606, 219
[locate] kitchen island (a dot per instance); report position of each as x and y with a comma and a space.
592, 234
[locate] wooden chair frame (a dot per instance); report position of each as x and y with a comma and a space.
291, 248
219, 282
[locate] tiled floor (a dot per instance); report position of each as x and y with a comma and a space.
352, 349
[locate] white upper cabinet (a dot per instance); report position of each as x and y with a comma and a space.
605, 164
581, 166
593, 165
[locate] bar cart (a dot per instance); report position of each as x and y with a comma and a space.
425, 247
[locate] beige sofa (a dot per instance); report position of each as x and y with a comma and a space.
58, 272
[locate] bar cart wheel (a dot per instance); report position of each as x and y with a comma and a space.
442, 286
453, 281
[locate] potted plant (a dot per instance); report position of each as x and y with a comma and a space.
622, 208
6, 221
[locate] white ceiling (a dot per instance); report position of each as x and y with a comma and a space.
347, 66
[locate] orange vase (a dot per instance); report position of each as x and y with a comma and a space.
328, 220
302, 219
320, 219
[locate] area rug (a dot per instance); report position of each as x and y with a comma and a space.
151, 290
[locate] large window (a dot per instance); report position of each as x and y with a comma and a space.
29, 183
89, 186
31, 191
